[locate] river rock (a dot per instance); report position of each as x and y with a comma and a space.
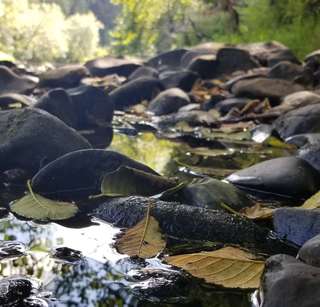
297, 225
297, 100
288, 176
192, 223
108, 65
271, 53
286, 70
299, 121
261, 88
309, 253
193, 54
212, 193
168, 60
93, 107
80, 173
169, 101
185, 80
311, 151
66, 76
136, 91
288, 282
304, 140
144, 71
204, 65
11, 83
7, 99
312, 60
30, 138
224, 106
58, 103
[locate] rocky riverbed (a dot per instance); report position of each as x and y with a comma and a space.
190, 178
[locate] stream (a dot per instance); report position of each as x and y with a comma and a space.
103, 277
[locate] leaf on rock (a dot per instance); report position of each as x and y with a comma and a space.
39, 208
126, 181
228, 267
257, 212
313, 202
143, 240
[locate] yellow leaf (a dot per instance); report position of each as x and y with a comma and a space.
257, 212
228, 267
143, 240
313, 202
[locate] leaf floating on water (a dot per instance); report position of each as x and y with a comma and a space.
228, 267
143, 240
39, 208
313, 202
257, 212
126, 181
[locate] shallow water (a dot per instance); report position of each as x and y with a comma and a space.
97, 279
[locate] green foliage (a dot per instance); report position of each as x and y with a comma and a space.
37, 32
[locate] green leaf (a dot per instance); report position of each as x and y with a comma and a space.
39, 208
126, 181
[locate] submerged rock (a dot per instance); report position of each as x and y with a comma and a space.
287, 282
299, 121
31, 138
309, 253
193, 223
169, 101
214, 194
226, 105
135, 92
261, 88
80, 173
66, 76
297, 225
287, 176
11, 83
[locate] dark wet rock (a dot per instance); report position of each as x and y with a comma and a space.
92, 106
11, 249
288, 176
299, 121
144, 71
226, 62
297, 225
185, 80
311, 153
208, 105
193, 118
67, 255
136, 91
8, 99
66, 76
304, 140
288, 282
312, 60
167, 60
309, 253
261, 88
109, 65
169, 101
271, 53
11, 83
99, 137
213, 194
14, 290
205, 66
30, 138
80, 173
188, 222
286, 70
58, 103
297, 100
224, 106
191, 55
